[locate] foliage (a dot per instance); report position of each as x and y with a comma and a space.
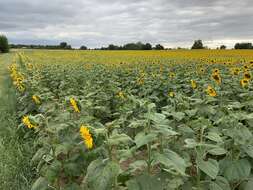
62, 45
159, 47
243, 46
198, 44
15, 152
138, 119
4, 45
83, 48
223, 47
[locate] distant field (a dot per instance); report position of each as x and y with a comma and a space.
137, 119
91, 56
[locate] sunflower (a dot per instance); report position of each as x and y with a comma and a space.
26, 121
171, 94
217, 71
172, 75
87, 138
245, 67
247, 75
235, 71
74, 105
121, 95
36, 99
211, 91
244, 82
193, 84
201, 70
217, 78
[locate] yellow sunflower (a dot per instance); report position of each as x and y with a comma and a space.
210, 91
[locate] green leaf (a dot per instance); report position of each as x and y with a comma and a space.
176, 115
145, 182
219, 184
137, 165
118, 139
217, 151
101, 175
210, 167
242, 135
249, 185
40, 184
143, 139
156, 117
72, 169
249, 150
171, 161
214, 137
165, 130
237, 170
53, 171
62, 148
38, 155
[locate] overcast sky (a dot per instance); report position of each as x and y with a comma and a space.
97, 23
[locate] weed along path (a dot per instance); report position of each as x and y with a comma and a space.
15, 172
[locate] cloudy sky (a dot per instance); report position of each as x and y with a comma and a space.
97, 23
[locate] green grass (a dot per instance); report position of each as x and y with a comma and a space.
15, 153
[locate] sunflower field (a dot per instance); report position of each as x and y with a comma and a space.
137, 120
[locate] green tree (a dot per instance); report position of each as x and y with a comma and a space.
243, 46
63, 45
223, 47
146, 46
4, 45
83, 48
198, 44
159, 47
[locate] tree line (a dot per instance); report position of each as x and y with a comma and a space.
198, 44
62, 45
134, 46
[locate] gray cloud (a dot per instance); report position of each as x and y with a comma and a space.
98, 22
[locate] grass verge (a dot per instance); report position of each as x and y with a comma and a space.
15, 153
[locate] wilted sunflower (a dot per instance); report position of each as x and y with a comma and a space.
210, 91
87, 138
244, 82
217, 78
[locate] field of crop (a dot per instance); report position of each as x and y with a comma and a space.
137, 120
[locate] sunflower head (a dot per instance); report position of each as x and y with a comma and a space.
172, 75
86, 136
244, 82
217, 78
217, 71
210, 91
171, 94
36, 99
247, 75
245, 67
235, 71
74, 105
